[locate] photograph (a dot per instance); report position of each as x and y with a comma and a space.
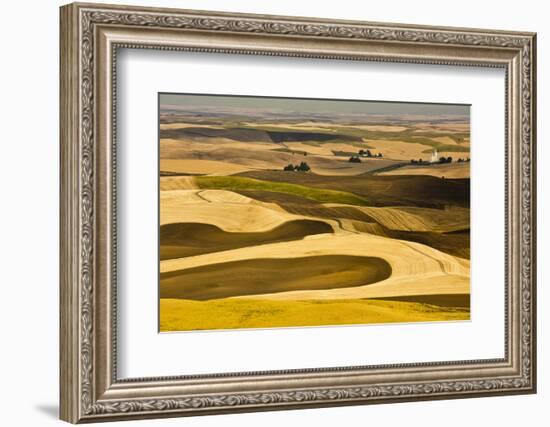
293, 212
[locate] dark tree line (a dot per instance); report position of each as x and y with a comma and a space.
302, 167
368, 153
419, 162
441, 160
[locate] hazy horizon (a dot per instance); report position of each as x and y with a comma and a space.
238, 104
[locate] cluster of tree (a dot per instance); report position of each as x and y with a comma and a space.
302, 167
441, 160
418, 162
368, 153
354, 159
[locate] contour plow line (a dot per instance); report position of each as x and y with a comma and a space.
416, 269
231, 212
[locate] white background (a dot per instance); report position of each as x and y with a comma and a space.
145, 353
29, 170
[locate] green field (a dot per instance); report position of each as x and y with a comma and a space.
239, 183
420, 190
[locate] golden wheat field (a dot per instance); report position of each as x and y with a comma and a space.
278, 212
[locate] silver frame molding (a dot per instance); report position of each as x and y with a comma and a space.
90, 37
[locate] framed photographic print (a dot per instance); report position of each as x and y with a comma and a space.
265, 212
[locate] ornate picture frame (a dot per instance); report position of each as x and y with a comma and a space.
91, 34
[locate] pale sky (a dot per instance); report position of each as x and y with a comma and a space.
311, 105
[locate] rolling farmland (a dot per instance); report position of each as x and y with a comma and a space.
272, 219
